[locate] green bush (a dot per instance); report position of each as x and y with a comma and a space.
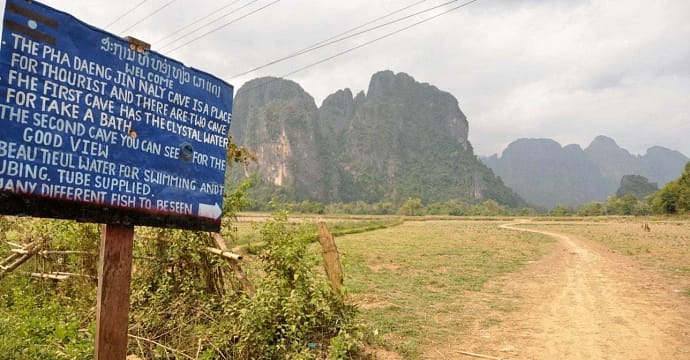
184, 301
294, 307
674, 198
42, 318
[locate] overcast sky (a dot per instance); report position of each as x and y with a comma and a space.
563, 69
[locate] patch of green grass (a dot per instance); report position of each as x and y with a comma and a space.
413, 281
504, 305
489, 322
247, 230
675, 269
61, 329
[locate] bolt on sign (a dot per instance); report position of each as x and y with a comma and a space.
96, 128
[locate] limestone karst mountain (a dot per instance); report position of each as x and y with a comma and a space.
636, 185
401, 139
546, 174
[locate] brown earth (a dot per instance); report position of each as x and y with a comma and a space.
580, 301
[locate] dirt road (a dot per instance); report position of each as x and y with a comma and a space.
583, 302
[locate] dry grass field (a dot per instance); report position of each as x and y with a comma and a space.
415, 282
587, 288
665, 247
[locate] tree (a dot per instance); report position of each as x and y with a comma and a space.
665, 200
591, 209
525, 211
493, 208
642, 209
675, 196
311, 207
614, 205
411, 207
561, 210
627, 204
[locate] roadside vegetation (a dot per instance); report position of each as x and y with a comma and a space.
185, 302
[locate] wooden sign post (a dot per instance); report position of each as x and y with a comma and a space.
114, 277
112, 303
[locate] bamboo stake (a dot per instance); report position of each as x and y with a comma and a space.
59, 273
27, 252
73, 274
8, 269
66, 252
51, 276
227, 254
248, 287
219, 240
15, 255
9, 259
477, 355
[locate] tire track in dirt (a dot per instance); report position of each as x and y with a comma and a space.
582, 302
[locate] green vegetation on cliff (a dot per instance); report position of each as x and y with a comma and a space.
636, 185
402, 139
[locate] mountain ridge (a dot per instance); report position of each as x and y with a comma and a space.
401, 139
585, 175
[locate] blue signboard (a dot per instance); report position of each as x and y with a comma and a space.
95, 129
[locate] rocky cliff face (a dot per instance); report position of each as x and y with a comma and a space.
336, 114
278, 121
401, 139
402, 136
637, 185
545, 174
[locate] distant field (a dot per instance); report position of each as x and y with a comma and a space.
665, 247
414, 282
247, 229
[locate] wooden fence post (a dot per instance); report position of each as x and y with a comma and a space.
331, 258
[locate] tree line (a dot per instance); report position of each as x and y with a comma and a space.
673, 198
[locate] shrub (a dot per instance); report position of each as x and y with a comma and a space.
184, 301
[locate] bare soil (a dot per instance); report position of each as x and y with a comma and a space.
581, 301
